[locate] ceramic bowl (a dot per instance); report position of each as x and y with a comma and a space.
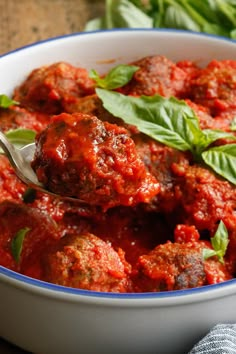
49, 319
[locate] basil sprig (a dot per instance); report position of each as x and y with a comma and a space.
173, 123
17, 243
118, 76
211, 16
6, 102
219, 243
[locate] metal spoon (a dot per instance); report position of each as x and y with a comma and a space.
20, 160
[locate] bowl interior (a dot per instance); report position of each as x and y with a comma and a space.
100, 51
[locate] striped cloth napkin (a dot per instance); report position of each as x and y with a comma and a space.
220, 340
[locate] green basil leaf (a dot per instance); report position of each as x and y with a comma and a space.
211, 16
232, 34
208, 253
207, 9
233, 123
95, 24
220, 240
17, 243
222, 159
120, 14
209, 136
218, 30
167, 120
118, 76
124, 14
20, 137
6, 102
219, 243
176, 17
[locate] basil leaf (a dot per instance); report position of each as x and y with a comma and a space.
167, 120
209, 136
124, 14
6, 102
222, 159
208, 253
17, 243
212, 16
219, 243
95, 24
116, 77
233, 125
176, 17
20, 137
121, 14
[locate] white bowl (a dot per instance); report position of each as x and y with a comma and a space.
45, 318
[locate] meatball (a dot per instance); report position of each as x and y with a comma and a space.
93, 105
49, 88
176, 266
17, 117
171, 266
156, 75
159, 159
80, 156
215, 86
42, 232
86, 262
204, 198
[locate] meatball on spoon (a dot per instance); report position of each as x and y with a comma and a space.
80, 157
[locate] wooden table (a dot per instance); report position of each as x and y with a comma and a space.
26, 21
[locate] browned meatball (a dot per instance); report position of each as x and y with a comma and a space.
48, 89
172, 266
93, 105
156, 75
86, 262
80, 156
175, 266
204, 198
159, 159
215, 86
17, 117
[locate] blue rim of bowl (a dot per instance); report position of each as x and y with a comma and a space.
62, 289
163, 30
90, 293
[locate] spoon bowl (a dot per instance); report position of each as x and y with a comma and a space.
20, 159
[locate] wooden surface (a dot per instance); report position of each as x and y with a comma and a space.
26, 21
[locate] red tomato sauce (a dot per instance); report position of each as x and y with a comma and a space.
151, 210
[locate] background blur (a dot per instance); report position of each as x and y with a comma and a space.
26, 21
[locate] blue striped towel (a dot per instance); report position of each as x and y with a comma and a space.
220, 340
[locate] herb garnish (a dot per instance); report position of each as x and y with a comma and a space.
20, 137
17, 243
6, 102
211, 16
173, 123
118, 76
219, 243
